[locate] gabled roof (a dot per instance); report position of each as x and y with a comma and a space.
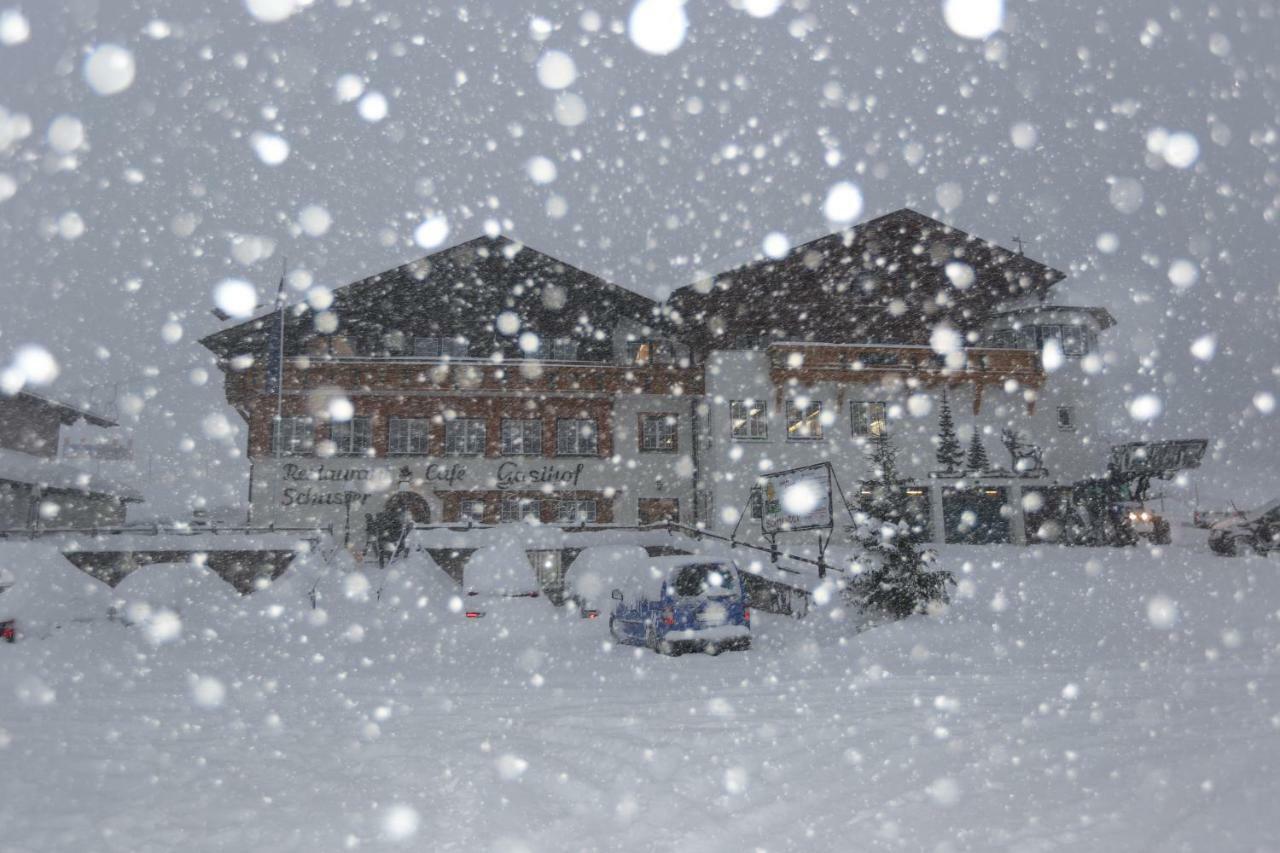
877, 280
68, 413
464, 286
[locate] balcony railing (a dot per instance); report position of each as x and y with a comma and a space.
810, 362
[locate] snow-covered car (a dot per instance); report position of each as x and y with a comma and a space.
595, 573
678, 604
1256, 531
493, 578
43, 594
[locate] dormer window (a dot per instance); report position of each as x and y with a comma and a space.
641, 353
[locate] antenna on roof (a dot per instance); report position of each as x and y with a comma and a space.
1017, 238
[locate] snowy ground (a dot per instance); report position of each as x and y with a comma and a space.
1071, 699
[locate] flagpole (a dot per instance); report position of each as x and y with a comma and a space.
280, 364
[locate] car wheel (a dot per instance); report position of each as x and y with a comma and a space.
712, 648
1243, 546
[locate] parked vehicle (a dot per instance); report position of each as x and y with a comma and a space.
678, 604
494, 578
595, 572
1256, 531
1138, 522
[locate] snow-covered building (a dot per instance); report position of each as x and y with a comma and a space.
876, 331
485, 383
489, 382
37, 488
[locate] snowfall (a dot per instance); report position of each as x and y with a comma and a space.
1069, 698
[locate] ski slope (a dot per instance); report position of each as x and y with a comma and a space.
1070, 699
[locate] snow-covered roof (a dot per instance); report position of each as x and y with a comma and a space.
70, 412
19, 467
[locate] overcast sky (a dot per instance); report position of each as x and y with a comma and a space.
681, 167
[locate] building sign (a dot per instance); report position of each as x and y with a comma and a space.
799, 499
333, 483
1154, 457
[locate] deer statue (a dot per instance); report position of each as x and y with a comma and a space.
1027, 458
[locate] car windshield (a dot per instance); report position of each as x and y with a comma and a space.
704, 579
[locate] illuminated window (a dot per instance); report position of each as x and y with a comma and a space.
641, 353
804, 422
869, 418
748, 420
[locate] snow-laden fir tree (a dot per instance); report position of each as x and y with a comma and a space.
977, 460
897, 579
950, 454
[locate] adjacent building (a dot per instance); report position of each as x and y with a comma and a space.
39, 490
491, 383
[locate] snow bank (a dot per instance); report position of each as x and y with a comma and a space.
1069, 698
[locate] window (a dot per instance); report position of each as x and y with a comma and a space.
571, 511
564, 349
658, 432
351, 438
407, 436
749, 420
756, 503
575, 437
869, 417
650, 352
1076, 341
520, 509
292, 436
804, 422
464, 437
878, 359
521, 437
472, 511
1066, 418
1050, 333
435, 346
427, 347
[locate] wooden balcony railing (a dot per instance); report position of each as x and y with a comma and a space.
860, 363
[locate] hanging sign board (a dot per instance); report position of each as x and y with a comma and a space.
799, 499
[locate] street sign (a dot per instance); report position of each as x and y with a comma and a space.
798, 499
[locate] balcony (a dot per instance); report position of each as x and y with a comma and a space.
809, 363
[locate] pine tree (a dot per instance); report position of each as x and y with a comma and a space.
950, 453
888, 497
978, 460
899, 580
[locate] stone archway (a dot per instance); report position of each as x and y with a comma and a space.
411, 503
